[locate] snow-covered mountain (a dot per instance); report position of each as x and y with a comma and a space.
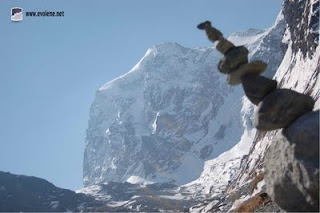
159, 121
169, 114
172, 135
173, 118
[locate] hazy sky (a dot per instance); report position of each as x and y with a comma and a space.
51, 67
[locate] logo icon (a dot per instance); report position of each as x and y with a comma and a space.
16, 14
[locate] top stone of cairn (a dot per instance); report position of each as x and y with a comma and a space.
212, 33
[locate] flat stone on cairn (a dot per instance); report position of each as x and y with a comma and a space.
280, 108
254, 67
256, 87
233, 59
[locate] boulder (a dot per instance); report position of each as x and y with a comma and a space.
292, 166
280, 108
255, 67
233, 59
223, 45
256, 87
304, 133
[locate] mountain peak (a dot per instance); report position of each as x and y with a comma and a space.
248, 32
168, 48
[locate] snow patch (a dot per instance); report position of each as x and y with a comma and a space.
138, 180
54, 204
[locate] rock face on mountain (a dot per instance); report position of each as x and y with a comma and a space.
169, 114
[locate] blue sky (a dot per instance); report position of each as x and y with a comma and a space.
51, 67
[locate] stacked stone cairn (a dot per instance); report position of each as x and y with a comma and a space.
292, 161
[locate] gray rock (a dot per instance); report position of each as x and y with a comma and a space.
204, 25
213, 34
280, 108
223, 45
292, 175
255, 67
256, 87
233, 59
304, 132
